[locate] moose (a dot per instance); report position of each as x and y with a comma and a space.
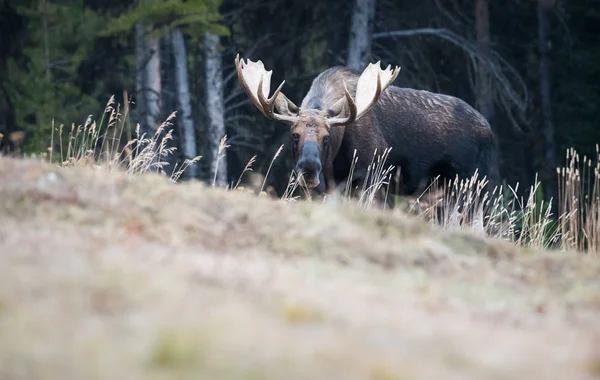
346, 113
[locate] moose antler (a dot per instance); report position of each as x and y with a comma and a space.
371, 84
256, 82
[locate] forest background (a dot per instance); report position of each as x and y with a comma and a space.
530, 67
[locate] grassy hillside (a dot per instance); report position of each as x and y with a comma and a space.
108, 276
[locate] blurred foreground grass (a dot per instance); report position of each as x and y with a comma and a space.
108, 276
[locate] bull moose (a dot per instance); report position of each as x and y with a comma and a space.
344, 111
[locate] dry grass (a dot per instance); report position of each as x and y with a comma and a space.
460, 205
579, 200
100, 147
526, 222
109, 270
108, 275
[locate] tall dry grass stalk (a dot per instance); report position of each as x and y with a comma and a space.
293, 183
377, 179
93, 145
222, 146
579, 201
528, 221
271, 165
466, 204
247, 168
374, 182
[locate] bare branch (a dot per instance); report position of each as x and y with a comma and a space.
235, 92
235, 118
462, 19
230, 108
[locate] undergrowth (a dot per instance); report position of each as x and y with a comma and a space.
458, 204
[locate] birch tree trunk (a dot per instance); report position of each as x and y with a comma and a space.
484, 90
148, 87
359, 46
168, 104
547, 127
152, 87
217, 162
140, 60
183, 101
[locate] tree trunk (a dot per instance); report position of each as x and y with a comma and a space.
168, 103
46, 43
148, 88
484, 90
215, 131
140, 61
185, 120
335, 42
547, 127
152, 87
151, 90
359, 46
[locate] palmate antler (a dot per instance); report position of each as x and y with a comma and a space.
372, 82
256, 82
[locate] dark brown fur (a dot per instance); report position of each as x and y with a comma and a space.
430, 134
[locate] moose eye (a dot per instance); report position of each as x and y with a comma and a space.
295, 137
325, 140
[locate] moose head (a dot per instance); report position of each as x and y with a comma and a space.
310, 127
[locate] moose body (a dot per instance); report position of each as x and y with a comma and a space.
429, 134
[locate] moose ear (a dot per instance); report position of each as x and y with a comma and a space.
285, 106
337, 108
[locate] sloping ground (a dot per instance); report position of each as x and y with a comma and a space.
107, 277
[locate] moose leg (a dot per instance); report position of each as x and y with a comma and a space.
425, 193
414, 180
331, 192
330, 185
362, 186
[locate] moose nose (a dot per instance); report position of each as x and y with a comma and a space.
309, 166
309, 161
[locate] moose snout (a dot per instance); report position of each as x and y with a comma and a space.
309, 166
309, 163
